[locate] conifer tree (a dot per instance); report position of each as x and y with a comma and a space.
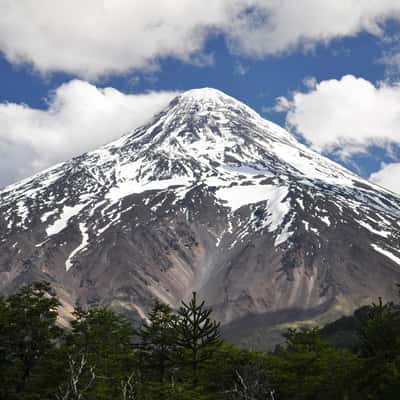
158, 339
197, 335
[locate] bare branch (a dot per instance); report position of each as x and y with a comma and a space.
77, 368
128, 388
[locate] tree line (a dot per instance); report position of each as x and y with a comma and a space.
179, 354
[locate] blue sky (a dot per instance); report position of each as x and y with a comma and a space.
257, 82
332, 79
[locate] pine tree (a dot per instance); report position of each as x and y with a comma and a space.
197, 335
157, 340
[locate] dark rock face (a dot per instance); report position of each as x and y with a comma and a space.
207, 196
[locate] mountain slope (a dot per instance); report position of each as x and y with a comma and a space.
207, 196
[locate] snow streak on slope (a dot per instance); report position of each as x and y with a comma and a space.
387, 254
82, 246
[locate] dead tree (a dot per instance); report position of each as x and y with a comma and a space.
251, 383
128, 388
81, 377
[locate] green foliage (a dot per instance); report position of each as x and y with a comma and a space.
242, 374
180, 355
344, 332
28, 334
379, 334
99, 348
307, 364
380, 351
158, 342
170, 391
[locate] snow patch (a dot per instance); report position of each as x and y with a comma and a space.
236, 197
61, 223
132, 187
326, 220
239, 196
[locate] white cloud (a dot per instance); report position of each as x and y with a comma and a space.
79, 117
92, 38
281, 25
346, 115
388, 176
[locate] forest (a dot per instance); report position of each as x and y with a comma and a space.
179, 354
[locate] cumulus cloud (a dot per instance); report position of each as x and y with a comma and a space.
388, 177
274, 26
92, 38
79, 117
346, 115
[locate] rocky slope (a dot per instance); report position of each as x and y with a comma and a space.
208, 196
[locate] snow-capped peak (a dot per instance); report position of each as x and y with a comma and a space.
219, 107
204, 132
209, 99
206, 94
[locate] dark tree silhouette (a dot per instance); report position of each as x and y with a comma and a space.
196, 333
157, 339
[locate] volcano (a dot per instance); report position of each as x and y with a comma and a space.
209, 197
